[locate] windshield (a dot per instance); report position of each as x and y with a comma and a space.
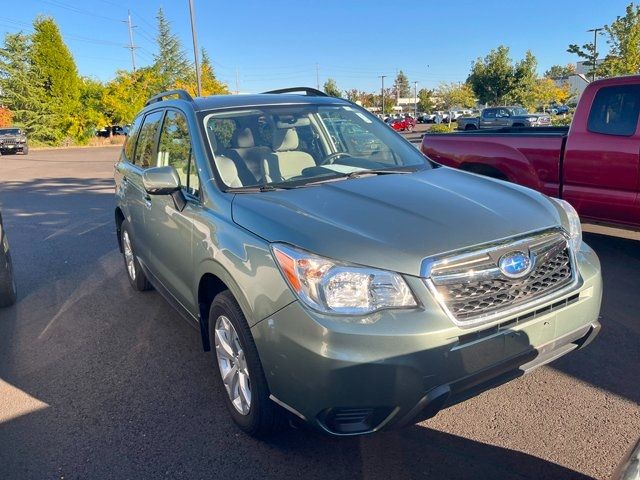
9, 131
296, 145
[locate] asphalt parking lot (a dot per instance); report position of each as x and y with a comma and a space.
97, 381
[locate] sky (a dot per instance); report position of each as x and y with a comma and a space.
258, 45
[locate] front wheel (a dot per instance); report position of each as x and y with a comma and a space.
239, 369
25, 150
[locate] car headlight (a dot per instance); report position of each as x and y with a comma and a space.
339, 288
572, 224
532, 119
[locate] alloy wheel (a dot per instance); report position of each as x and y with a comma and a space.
233, 365
128, 255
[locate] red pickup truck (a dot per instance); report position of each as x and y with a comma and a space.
594, 164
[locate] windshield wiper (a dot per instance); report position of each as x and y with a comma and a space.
374, 171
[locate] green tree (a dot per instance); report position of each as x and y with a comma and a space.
330, 87
624, 44
210, 83
51, 60
401, 85
353, 95
588, 53
389, 100
125, 95
425, 102
524, 81
170, 63
456, 95
21, 88
492, 77
558, 71
91, 115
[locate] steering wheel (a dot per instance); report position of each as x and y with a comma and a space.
329, 159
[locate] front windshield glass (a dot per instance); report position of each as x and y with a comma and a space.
9, 131
287, 145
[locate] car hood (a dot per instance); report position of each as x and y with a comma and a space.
393, 222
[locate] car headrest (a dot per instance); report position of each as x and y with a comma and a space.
285, 139
243, 138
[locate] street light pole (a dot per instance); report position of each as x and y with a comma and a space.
382, 77
415, 99
595, 50
195, 48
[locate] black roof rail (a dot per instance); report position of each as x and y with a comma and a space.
310, 92
182, 95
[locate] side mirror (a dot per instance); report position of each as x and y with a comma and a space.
161, 180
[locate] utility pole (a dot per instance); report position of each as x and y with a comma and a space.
595, 50
317, 76
415, 99
195, 47
382, 77
237, 82
131, 46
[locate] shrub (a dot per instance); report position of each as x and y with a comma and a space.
442, 128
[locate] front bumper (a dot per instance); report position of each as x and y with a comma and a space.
394, 368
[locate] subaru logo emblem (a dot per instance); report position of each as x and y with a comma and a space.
515, 264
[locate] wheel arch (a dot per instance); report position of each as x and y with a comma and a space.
482, 169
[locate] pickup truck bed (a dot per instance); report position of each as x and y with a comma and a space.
594, 164
530, 154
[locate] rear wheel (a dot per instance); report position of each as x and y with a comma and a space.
470, 127
137, 278
239, 369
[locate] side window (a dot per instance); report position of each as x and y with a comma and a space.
146, 140
175, 150
615, 110
489, 113
131, 138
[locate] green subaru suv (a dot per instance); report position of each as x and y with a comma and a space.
337, 274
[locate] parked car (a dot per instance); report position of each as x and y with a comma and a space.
7, 282
504, 117
400, 124
426, 117
594, 164
410, 120
357, 291
13, 140
113, 130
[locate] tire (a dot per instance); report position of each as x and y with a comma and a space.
261, 417
8, 292
25, 150
135, 274
470, 127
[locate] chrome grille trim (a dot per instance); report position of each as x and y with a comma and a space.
490, 295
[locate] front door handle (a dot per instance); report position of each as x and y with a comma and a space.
147, 201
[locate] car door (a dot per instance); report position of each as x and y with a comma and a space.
169, 231
602, 157
488, 118
503, 118
137, 199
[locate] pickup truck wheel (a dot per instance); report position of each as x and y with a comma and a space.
470, 127
25, 150
239, 369
8, 292
137, 278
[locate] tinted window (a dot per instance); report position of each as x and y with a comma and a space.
175, 149
615, 110
489, 113
146, 140
131, 139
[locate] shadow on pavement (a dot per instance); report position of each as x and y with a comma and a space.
612, 361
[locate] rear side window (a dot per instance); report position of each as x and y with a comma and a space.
489, 113
615, 110
131, 138
145, 145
